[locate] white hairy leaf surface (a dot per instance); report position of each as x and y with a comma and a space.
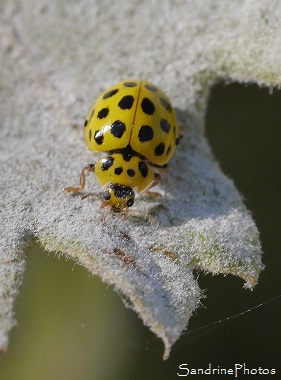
56, 58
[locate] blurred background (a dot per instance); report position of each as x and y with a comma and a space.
72, 326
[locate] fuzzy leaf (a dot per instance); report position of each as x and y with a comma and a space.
55, 59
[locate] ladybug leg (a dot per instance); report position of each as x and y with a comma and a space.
156, 180
93, 195
89, 168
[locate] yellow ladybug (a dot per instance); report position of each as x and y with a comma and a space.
134, 122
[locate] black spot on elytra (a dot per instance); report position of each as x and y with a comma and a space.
145, 133
165, 126
168, 150
86, 123
131, 172
159, 150
107, 163
126, 102
130, 84
177, 140
90, 134
147, 106
127, 153
110, 93
143, 168
103, 113
166, 104
98, 137
117, 128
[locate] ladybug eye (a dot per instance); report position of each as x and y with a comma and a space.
106, 195
130, 202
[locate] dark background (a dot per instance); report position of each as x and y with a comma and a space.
71, 325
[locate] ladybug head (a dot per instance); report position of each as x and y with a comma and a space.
119, 197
